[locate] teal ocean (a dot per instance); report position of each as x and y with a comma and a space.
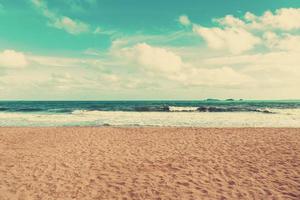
205, 113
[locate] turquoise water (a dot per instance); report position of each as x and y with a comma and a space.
206, 113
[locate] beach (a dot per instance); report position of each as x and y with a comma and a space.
149, 163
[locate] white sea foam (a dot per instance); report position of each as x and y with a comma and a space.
281, 118
182, 109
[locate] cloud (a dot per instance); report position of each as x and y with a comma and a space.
13, 59
284, 19
61, 22
276, 30
161, 62
290, 43
230, 21
271, 39
271, 59
218, 77
272, 70
99, 30
286, 42
244, 53
49, 61
278, 68
236, 40
61, 81
92, 52
153, 58
184, 20
69, 25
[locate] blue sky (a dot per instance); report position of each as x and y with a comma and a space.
138, 49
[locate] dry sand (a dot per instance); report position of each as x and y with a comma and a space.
149, 163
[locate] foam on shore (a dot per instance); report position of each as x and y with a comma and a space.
280, 118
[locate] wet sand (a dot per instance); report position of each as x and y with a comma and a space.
149, 163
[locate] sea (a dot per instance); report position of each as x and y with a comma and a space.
202, 113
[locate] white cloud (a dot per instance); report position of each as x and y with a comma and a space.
65, 62
55, 61
284, 18
153, 58
12, 59
61, 22
290, 43
99, 30
236, 40
38, 3
271, 70
143, 66
271, 39
287, 42
92, 52
265, 59
109, 77
283, 42
276, 30
69, 25
62, 81
166, 64
184, 20
217, 77
230, 21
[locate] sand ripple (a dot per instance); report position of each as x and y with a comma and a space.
149, 163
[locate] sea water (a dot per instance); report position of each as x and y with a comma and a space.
206, 113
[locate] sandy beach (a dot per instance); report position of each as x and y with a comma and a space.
149, 163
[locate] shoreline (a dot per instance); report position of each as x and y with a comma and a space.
149, 126
149, 163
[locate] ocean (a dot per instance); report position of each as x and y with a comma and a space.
205, 113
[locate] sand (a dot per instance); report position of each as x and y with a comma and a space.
149, 163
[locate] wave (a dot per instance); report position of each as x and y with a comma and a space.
21, 109
151, 109
4, 109
232, 109
60, 110
200, 109
282, 118
180, 109
28, 110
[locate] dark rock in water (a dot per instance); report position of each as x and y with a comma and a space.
212, 100
267, 111
142, 108
202, 109
230, 109
229, 100
152, 108
262, 111
217, 109
165, 108
106, 124
211, 109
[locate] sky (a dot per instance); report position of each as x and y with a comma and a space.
149, 50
